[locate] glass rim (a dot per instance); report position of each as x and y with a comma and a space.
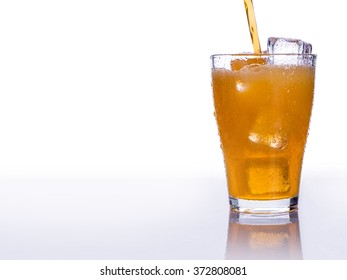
252, 55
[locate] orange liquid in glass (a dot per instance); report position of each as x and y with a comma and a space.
263, 113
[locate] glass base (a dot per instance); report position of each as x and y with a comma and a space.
263, 206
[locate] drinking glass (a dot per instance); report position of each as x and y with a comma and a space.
263, 104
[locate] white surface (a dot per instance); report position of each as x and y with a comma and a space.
108, 145
148, 218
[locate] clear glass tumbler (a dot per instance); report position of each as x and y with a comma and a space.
263, 106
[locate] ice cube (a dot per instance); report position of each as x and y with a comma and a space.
268, 175
288, 46
268, 130
238, 64
276, 141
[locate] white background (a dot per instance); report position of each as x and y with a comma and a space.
103, 88
119, 91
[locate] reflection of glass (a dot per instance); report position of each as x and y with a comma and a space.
268, 237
